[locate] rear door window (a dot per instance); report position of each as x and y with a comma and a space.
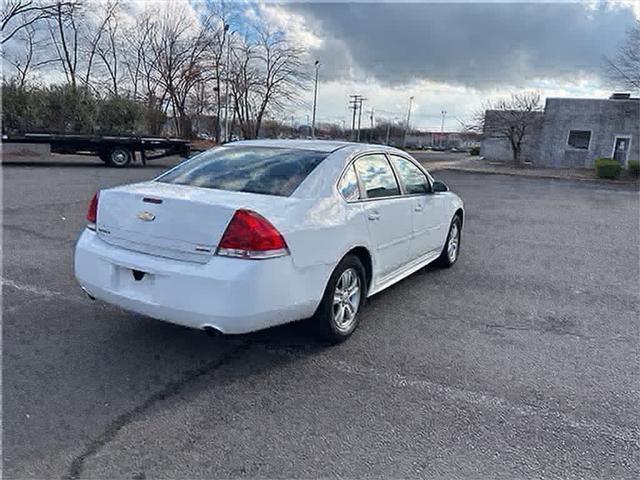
349, 185
377, 176
264, 170
413, 180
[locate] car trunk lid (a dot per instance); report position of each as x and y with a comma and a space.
176, 221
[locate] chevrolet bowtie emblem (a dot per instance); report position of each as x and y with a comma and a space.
146, 216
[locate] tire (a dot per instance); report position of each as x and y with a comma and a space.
328, 320
451, 249
119, 157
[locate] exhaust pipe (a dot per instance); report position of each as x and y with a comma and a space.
88, 294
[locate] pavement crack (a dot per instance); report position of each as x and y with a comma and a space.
76, 466
23, 287
35, 233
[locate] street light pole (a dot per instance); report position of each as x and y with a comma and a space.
315, 101
406, 127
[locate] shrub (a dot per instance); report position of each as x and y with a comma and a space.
62, 108
119, 115
634, 168
607, 168
475, 151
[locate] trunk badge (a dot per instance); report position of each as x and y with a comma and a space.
146, 216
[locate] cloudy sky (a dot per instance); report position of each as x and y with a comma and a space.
448, 56
451, 56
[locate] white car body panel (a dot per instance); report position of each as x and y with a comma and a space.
187, 284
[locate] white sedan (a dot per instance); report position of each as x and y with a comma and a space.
259, 233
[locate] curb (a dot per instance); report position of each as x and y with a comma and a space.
533, 175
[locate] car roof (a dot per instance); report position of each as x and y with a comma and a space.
327, 146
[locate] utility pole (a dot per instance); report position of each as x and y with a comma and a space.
406, 127
292, 128
315, 101
388, 130
360, 115
371, 112
444, 114
354, 104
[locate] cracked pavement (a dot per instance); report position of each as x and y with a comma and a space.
520, 362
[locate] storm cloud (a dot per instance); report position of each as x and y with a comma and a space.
475, 45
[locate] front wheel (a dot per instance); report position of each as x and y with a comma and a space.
451, 249
337, 316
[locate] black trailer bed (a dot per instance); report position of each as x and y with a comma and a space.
115, 150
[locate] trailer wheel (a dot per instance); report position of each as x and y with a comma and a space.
119, 157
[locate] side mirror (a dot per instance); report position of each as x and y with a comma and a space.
439, 186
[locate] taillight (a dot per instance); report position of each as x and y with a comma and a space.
250, 235
92, 212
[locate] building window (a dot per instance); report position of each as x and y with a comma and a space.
579, 139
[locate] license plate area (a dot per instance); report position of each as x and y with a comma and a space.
135, 283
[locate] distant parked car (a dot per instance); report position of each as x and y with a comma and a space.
259, 233
204, 136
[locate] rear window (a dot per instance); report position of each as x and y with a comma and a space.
265, 170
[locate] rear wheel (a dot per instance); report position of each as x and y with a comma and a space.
118, 157
337, 316
451, 249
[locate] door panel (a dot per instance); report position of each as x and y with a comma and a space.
388, 215
426, 208
428, 224
390, 227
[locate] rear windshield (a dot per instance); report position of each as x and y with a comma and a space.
266, 170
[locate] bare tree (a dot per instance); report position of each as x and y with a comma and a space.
179, 47
93, 35
624, 68
26, 60
268, 74
244, 82
282, 73
107, 46
513, 119
218, 39
21, 14
64, 33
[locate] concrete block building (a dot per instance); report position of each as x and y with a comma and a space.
573, 132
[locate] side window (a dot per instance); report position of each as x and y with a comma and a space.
377, 176
412, 178
579, 139
348, 185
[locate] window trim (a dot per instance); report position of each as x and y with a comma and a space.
387, 154
358, 183
580, 130
361, 183
426, 175
613, 147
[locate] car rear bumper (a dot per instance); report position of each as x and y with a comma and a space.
228, 294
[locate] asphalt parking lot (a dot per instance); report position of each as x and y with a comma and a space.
522, 361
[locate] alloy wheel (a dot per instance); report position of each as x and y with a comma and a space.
346, 300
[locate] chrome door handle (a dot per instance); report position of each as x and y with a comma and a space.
418, 208
374, 216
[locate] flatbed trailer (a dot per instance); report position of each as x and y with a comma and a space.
115, 150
